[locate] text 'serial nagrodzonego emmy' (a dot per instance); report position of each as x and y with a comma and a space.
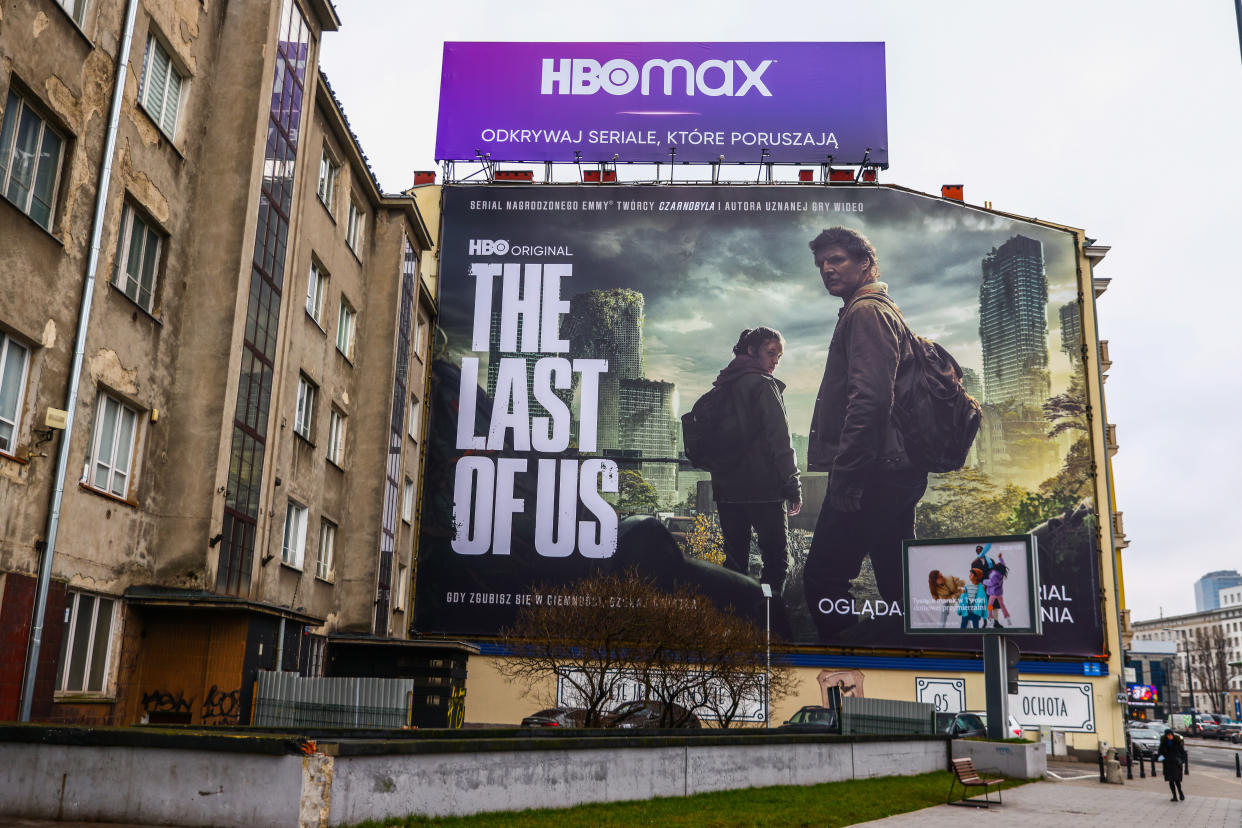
579, 323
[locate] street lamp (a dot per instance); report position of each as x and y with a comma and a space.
767, 670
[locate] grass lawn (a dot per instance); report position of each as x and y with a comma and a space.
824, 806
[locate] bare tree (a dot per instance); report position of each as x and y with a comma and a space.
579, 634
1209, 659
684, 651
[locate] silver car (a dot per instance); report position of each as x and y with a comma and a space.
1145, 739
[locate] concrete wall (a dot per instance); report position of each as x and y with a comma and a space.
151, 783
1020, 761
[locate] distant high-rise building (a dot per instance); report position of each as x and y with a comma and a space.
1207, 588
1071, 331
495, 355
1013, 323
607, 324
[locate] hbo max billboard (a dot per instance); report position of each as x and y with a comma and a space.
806, 103
577, 325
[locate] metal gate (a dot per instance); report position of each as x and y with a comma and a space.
289, 700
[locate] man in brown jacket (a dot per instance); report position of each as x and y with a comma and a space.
872, 488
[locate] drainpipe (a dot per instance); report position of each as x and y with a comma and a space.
75, 371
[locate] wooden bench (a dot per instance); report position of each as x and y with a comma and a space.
964, 772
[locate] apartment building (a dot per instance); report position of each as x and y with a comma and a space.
217, 324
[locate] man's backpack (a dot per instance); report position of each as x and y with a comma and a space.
711, 431
937, 419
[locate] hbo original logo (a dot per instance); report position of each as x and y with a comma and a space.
488, 247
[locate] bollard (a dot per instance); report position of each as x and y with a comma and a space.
1237, 765
1130, 764
1142, 768
1101, 766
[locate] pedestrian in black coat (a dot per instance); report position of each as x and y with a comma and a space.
1173, 753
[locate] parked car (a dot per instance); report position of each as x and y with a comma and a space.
643, 714
1205, 726
556, 717
961, 725
1227, 728
1145, 739
680, 527
812, 718
1014, 731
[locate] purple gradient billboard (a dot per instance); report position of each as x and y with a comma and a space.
805, 103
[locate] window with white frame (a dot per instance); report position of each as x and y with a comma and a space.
420, 335
137, 258
161, 89
30, 154
353, 227
112, 447
345, 329
316, 292
14, 365
414, 420
407, 501
75, 9
327, 550
336, 436
399, 588
86, 644
293, 545
304, 413
329, 172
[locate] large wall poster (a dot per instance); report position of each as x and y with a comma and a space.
581, 321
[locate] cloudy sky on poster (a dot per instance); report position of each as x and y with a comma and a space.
1115, 116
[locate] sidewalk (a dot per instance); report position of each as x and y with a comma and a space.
1073, 795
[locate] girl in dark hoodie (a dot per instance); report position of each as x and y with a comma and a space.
761, 488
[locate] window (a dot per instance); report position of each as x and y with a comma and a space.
293, 546
304, 415
336, 436
86, 644
30, 153
353, 227
14, 360
398, 593
112, 447
161, 87
345, 329
415, 420
407, 501
316, 290
329, 171
137, 258
316, 655
420, 335
327, 546
75, 9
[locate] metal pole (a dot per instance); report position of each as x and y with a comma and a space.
767, 669
75, 369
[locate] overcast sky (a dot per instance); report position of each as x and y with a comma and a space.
1122, 118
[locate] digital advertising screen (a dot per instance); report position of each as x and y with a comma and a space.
968, 586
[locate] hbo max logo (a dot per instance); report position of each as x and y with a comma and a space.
488, 247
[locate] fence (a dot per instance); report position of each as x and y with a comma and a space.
290, 700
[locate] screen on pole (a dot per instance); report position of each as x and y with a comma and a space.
972, 586
805, 103
578, 324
